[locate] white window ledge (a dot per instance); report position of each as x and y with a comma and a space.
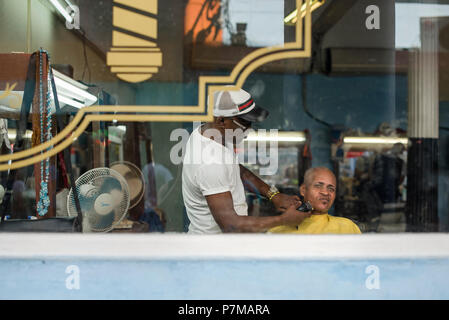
172, 246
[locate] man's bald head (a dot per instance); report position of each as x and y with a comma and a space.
310, 173
319, 189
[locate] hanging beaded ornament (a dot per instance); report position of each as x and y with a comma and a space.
45, 113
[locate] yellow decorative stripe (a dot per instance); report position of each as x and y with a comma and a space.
144, 5
95, 109
270, 58
143, 59
134, 22
118, 49
120, 39
134, 69
91, 118
134, 77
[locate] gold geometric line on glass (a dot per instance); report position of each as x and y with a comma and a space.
300, 48
132, 58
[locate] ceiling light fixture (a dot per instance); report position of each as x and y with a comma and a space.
72, 92
62, 10
375, 140
280, 136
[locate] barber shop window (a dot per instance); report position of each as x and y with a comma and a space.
103, 105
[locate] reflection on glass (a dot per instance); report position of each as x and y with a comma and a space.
372, 107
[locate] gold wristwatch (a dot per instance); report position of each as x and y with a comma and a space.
272, 192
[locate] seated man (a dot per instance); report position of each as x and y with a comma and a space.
319, 189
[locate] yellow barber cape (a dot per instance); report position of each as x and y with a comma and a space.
320, 224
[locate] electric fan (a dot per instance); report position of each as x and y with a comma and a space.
134, 178
104, 199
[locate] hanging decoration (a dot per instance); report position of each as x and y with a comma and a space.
45, 133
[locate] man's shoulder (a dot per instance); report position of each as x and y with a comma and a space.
341, 220
345, 222
283, 229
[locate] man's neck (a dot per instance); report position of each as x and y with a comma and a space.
318, 213
207, 126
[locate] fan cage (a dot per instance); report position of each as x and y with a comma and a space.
137, 174
92, 220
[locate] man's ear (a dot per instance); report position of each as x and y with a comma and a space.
302, 189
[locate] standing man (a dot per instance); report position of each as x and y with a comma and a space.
319, 189
212, 186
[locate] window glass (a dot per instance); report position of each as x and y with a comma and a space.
358, 87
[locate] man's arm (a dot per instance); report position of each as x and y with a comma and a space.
254, 184
222, 209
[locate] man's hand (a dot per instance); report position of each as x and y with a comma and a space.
283, 201
293, 217
222, 209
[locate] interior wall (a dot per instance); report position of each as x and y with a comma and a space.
170, 194
13, 18
351, 32
358, 103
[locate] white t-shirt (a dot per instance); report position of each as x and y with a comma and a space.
209, 168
